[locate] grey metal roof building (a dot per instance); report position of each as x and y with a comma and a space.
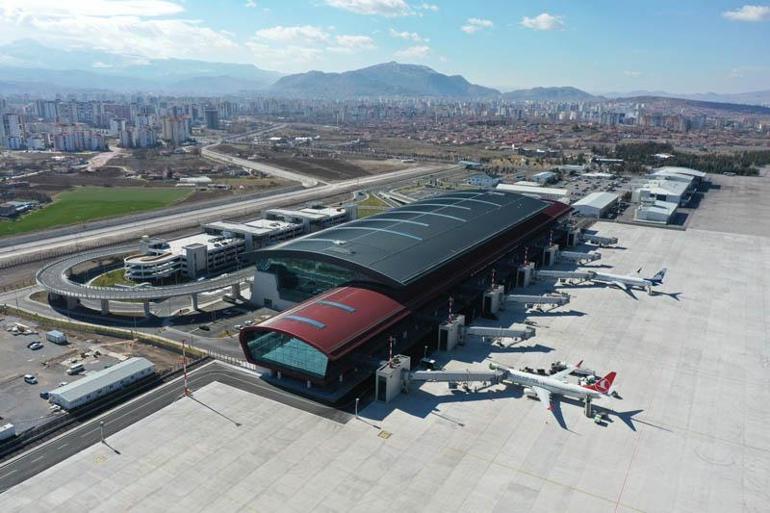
404, 244
101, 383
595, 204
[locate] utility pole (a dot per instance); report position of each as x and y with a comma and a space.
101, 430
187, 391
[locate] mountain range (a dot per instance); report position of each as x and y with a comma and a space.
388, 79
27, 67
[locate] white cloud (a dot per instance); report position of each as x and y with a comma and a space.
632, 74
139, 28
251, 4
473, 25
387, 8
428, 7
543, 21
408, 36
749, 13
295, 48
296, 34
413, 52
351, 43
53, 8
289, 58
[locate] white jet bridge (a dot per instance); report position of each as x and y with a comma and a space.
515, 331
533, 299
579, 256
490, 376
598, 239
565, 275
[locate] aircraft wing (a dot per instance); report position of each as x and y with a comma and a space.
620, 285
544, 396
562, 373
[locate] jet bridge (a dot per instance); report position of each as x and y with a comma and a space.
546, 299
457, 376
516, 331
394, 376
564, 275
598, 239
579, 256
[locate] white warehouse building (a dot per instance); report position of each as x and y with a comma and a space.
101, 383
656, 212
664, 174
537, 192
596, 204
316, 217
698, 176
660, 190
545, 177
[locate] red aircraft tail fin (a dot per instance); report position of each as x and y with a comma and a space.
604, 384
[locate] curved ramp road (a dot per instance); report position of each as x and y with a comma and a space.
54, 278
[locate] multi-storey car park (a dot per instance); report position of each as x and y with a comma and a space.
351, 293
224, 246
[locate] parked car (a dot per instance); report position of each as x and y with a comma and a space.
44, 394
237, 327
30, 379
204, 327
35, 346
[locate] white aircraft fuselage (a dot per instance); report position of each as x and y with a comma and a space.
552, 385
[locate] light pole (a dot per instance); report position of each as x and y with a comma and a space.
101, 430
356, 407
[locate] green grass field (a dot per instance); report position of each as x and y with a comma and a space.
371, 206
84, 204
112, 278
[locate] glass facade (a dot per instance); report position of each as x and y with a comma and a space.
286, 351
300, 279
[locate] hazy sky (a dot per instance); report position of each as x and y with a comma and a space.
598, 45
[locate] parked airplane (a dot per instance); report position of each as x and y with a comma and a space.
542, 387
627, 282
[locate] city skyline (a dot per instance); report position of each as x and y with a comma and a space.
601, 47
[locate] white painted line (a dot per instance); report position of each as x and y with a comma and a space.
38, 458
62, 446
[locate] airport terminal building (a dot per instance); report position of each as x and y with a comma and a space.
353, 292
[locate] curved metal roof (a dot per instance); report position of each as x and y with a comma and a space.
335, 322
406, 243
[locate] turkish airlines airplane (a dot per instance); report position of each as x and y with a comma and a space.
542, 387
627, 282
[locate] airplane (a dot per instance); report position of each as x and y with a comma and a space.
625, 282
541, 387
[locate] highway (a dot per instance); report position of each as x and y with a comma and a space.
305, 180
50, 453
89, 239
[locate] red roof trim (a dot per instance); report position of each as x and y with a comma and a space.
343, 331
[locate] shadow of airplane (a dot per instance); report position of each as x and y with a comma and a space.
673, 295
560, 313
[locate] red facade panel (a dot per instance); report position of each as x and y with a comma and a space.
338, 320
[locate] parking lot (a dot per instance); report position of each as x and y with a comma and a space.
20, 402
